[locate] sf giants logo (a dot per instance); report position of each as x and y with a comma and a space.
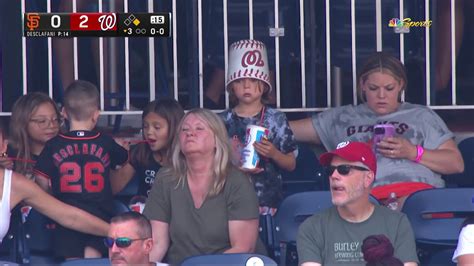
252, 58
107, 22
33, 21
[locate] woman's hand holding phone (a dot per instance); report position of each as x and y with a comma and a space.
397, 148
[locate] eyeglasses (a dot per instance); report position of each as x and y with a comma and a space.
343, 169
121, 242
44, 123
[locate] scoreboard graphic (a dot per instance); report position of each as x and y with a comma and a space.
96, 25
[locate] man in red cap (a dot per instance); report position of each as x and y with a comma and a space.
335, 235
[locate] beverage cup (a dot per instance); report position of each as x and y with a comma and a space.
250, 156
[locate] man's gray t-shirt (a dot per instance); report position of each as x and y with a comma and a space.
328, 239
419, 124
204, 230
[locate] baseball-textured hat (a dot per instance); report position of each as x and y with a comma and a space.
248, 59
354, 152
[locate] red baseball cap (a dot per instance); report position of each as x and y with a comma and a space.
354, 152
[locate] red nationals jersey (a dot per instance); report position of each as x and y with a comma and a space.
78, 164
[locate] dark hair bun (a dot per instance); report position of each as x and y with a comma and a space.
378, 250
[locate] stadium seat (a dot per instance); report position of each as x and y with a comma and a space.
291, 213
120, 207
38, 236
442, 257
265, 231
466, 178
12, 247
8, 263
308, 175
234, 259
436, 216
80, 262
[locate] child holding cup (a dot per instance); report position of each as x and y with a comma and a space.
248, 84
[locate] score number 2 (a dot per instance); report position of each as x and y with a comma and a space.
83, 23
71, 174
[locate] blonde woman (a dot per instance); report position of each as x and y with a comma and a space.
201, 204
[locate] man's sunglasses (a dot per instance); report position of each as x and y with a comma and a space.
121, 242
343, 169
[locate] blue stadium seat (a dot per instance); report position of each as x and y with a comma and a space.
13, 245
308, 175
234, 259
120, 207
38, 235
129, 191
292, 212
436, 216
7, 263
466, 178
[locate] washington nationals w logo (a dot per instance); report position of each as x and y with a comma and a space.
252, 58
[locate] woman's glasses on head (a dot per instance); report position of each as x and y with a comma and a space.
343, 169
121, 242
44, 123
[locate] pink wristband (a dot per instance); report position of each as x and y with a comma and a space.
419, 153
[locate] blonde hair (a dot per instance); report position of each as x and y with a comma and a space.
384, 63
222, 157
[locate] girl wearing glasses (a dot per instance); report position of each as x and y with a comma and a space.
422, 148
35, 120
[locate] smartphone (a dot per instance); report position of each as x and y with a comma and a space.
383, 131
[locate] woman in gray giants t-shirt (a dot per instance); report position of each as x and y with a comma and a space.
422, 148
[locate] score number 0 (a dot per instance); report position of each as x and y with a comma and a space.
56, 21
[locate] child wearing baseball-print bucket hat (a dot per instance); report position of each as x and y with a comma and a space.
248, 60
248, 84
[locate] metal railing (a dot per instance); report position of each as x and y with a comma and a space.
301, 44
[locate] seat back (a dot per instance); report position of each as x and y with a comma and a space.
296, 208
232, 259
436, 215
120, 207
38, 235
308, 174
466, 178
8, 263
14, 242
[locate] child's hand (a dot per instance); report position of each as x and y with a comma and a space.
256, 170
124, 142
265, 148
5, 162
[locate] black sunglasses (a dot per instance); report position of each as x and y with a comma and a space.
121, 242
343, 169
